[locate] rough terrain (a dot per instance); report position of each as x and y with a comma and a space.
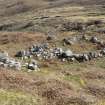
27, 22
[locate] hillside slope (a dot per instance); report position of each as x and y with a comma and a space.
11, 7
65, 25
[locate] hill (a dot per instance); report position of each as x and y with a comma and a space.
12, 7
74, 25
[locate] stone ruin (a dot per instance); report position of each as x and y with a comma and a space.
8, 62
44, 52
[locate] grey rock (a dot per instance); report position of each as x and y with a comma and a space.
68, 42
94, 40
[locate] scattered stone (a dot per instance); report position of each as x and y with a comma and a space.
19, 54
68, 41
94, 40
103, 51
73, 26
49, 38
84, 37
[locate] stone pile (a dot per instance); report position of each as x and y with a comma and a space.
7, 62
43, 52
68, 56
38, 51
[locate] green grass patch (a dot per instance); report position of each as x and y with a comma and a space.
74, 66
16, 98
75, 79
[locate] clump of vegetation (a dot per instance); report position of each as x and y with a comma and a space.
75, 78
16, 98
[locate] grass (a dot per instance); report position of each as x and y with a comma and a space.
98, 63
76, 79
16, 98
73, 66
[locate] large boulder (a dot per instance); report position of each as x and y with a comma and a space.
68, 53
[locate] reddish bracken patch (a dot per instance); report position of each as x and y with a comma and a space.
20, 37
